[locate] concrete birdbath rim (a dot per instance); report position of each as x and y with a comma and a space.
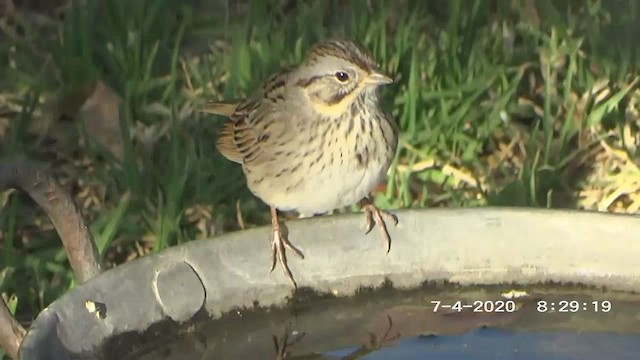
465, 246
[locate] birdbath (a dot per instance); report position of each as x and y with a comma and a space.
478, 283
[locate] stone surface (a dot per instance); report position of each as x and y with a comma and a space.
466, 246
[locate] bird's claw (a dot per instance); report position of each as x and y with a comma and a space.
375, 216
279, 246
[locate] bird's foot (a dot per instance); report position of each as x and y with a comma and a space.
376, 343
376, 216
279, 246
285, 342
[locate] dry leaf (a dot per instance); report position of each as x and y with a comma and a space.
99, 108
7, 8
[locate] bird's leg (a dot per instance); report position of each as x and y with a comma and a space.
283, 344
279, 246
374, 343
373, 214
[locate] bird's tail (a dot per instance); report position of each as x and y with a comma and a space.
226, 108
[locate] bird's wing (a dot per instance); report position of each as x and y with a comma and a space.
257, 127
226, 108
252, 131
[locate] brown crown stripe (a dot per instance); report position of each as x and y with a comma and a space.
343, 49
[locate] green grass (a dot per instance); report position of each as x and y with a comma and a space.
500, 103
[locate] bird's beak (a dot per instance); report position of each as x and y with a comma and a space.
378, 79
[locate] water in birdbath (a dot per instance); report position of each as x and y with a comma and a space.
436, 321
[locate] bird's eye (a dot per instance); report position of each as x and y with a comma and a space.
342, 76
